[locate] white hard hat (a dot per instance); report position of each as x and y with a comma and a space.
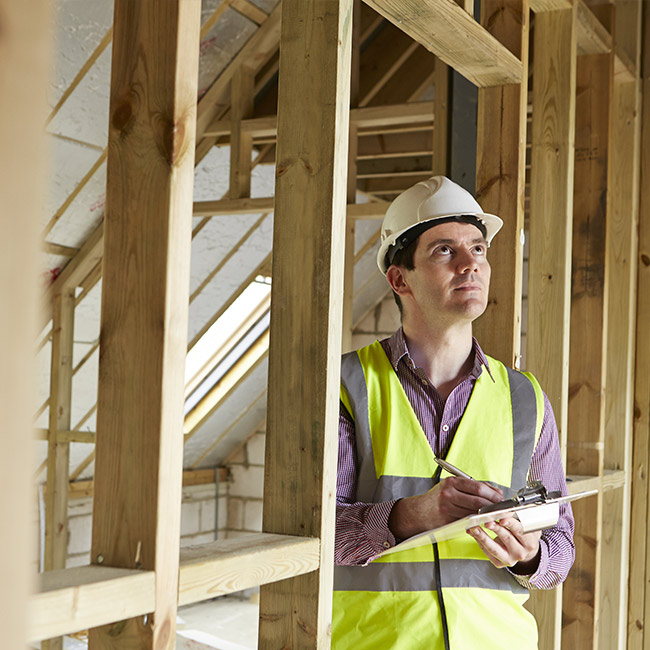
421, 206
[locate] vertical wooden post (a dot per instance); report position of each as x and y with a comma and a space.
241, 143
621, 275
638, 615
58, 453
500, 177
551, 214
353, 146
441, 118
586, 407
139, 450
304, 358
24, 66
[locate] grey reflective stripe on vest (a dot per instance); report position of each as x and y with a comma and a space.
420, 576
373, 490
524, 423
388, 486
354, 380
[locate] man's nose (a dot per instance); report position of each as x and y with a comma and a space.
466, 262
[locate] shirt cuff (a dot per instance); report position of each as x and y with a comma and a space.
376, 527
529, 581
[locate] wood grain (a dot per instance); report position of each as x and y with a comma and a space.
621, 270
500, 177
586, 407
138, 464
638, 618
70, 600
230, 565
306, 314
447, 30
551, 215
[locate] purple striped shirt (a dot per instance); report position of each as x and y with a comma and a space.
362, 528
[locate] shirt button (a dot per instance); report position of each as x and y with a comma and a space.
425, 382
445, 427
386, 544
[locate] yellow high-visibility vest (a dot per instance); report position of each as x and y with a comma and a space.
392, 602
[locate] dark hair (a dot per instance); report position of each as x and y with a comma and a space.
404, 257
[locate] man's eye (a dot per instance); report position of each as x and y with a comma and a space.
443, 250
480, 250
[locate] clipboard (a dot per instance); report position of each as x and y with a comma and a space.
533, 516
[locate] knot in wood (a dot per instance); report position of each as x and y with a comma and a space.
123, 116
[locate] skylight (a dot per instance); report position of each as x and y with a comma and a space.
227, 340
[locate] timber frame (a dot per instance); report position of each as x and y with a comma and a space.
566, 161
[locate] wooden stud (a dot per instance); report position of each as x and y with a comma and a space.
309, 231
551, 214
639, 598
500, 175
25, 61
137, 501
621, 259
58, 449
586, 406
77, 268
440, 160
356, 74
241, 142
448, 31
248, 9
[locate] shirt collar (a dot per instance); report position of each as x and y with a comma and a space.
398, 351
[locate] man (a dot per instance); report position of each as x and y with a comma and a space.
430, 391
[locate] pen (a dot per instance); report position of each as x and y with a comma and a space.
452, 470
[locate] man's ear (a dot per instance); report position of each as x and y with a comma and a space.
396, 276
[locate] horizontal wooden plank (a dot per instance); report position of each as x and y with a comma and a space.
76, 599
366, 117
446, 29
362, 211
539, 6
612, 479
593, 37
226, 207
392, 115
230, 565
83, 489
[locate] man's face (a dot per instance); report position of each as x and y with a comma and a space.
451, 277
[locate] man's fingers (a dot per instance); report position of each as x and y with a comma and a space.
510, 546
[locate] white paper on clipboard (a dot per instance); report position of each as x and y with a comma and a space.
534, 516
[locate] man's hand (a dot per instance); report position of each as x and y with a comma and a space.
511, 547
449, 500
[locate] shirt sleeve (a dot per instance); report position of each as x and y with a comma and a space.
556, 544
361, 528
